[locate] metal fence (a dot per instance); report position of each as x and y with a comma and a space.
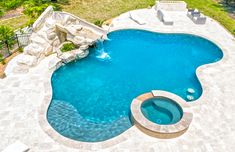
16, 42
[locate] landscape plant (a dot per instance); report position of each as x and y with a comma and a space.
1, 12
68, 47
6, 36
2, 59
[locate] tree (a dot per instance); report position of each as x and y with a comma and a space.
228, 2
34, 8
6, 36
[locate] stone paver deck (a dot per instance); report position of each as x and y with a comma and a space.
213, 125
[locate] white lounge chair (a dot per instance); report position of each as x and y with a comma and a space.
164, 17
16, 147
136, 18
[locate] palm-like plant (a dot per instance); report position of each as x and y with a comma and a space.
6, 36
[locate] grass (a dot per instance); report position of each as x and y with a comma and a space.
97, 11
214, 10
101, 10
16, 22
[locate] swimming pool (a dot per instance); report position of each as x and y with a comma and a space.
91, 97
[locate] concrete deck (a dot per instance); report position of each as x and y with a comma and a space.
213, 125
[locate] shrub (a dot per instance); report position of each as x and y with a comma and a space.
67, 47
21, 49
6, 35
98, 23
2, 59
11, 4
1, 12
34, 8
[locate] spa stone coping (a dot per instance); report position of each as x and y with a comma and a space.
180, 126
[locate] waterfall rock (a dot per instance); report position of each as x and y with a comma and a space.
54, 64
50, 30
84, 47
27, 60
67, 57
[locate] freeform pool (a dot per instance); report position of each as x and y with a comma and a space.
91, 97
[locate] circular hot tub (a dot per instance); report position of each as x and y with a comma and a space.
162, 111
161, 114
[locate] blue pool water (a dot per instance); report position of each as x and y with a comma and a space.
162, 111
91, 97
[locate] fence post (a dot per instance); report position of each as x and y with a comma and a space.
17, 40
8, 49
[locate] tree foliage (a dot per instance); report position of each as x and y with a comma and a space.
6, 35
32, 8
228, 2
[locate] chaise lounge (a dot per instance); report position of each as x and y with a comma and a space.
164, 17
196, 16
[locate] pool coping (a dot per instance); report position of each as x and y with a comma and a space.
156, 130
42, 112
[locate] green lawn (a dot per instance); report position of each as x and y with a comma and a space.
216, 11
101, 10
94, 10
15, 23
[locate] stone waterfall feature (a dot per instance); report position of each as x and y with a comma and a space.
50, 31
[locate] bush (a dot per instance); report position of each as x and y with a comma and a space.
68, 47
98, 23
1, 12
11, 4
34, 8
21, 50
6, 35
2, 59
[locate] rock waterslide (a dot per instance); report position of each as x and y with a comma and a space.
50, 31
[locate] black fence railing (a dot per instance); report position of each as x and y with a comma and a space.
12, 45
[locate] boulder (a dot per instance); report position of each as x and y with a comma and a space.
50, 23
67, 57
48, 50
38, 39
51, 36
33, 49
56, 42
68, 20
79, 40
41, 20
28, 60
74, 29
84, 47
55, 63
83, 54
